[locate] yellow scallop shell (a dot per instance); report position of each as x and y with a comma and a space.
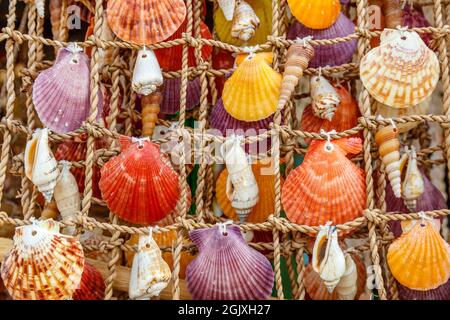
266, 184
315, 14
420, 258
262, 8
252, 92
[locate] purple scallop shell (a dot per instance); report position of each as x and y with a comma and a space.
171, 95
431, 199
413, 17
328, 55
226, 268
440, 293
61, 93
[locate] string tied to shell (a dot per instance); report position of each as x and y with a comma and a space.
328, 145
140, 141
223, 226
304, 41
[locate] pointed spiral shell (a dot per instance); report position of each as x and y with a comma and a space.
297, 59
413, 185
325, 99
150, 109
388, 148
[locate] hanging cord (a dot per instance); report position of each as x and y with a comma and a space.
223, 226
328, 145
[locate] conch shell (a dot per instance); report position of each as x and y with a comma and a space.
332, 267
41, 166
147, 75
227, 7
325, 99
413, 184
242, 189
245, 21
67, 196
297, 59
347, 286
150, 274
388, 147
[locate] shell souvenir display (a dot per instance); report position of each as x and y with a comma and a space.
402, 71
150, 274
67, 196
241, 93
147, 75
333, 265
246, 24
325, 99
315, 14
42, 264
388, 147
297, 60
420, 258
139, 184
325, 172
329, 55
241, 187
413, 185
61, 92
40, 164
265, 180
145, 22
226, 268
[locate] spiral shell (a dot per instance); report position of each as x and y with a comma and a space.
150, 109
347, 286
392, 10
413, 185
147, 75
297, 59
40, 164
388, 147
325, 99
245, 21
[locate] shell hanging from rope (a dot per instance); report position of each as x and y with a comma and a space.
42, 264
297, 60
315, 14
389, 149
402, 71
147, 75
413, 185
150, 274
245, 22
325, 99
40, 164
145, 22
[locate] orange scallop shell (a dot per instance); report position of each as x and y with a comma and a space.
266, 184
170, 58
420, 258
139, 185
315, 14
145, 21
316, 289
326, 186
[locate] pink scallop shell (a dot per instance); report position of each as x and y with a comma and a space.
226, 268
328, 55
171, 95
61, 92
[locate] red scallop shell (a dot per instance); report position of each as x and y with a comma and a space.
92, 285
139, 184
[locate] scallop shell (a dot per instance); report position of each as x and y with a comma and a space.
323, 175
139, 185
92, 285
316, 14
402, 71
40, 164
170, 59
150, 274
145, 21
147, 75
262, 8
325, 99
226, 268
245, 21
440, 293
42, 264
61, 92
67, 196
420, 258
388, 147
242, 96
265, 179
345, 117
316, 289
227, 7
171, 95
328, 55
